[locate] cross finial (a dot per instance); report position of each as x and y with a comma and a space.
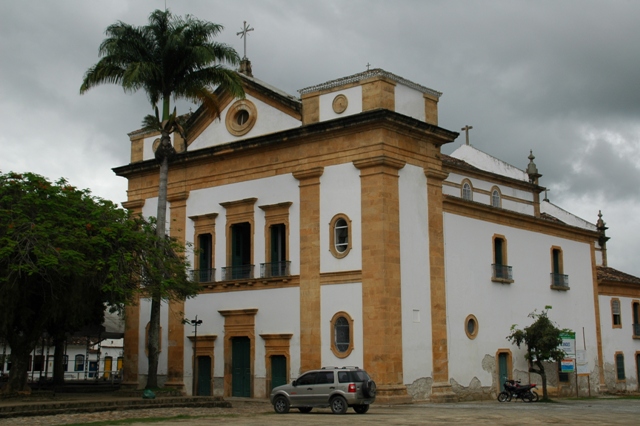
466, 130
368, 65
243, 34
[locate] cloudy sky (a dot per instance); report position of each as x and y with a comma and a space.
559, 77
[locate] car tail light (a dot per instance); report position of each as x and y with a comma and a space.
352, 387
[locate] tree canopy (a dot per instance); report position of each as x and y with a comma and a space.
543, 340
65, 255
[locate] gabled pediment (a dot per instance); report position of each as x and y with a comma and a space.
264, 110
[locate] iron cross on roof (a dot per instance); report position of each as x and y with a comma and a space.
466, 130
243, 34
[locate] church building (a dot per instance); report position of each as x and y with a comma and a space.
330, 230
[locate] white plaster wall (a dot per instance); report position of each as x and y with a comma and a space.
354, 105
272, 190
619, 340
145, 315
414, 270
278, 312
269, 120
410, 102
468, 257
340, 193
336, 298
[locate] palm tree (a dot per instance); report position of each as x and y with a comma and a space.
170, 57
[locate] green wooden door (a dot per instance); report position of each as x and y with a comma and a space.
278, 370
503, 371
204, 376
241, 366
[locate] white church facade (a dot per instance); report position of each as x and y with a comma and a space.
330, 230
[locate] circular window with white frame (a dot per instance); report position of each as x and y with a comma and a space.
241, 117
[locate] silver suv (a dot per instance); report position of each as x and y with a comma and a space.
338, 388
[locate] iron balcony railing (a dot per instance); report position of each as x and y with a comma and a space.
502, 272
636, 330
275, 269
203, 275
237, 272
559, 280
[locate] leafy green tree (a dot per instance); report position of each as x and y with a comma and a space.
543, 342
170, 57
64, 256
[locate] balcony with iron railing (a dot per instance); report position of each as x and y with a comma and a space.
203, 275
275, 269
501, 273
559, 281
240, 272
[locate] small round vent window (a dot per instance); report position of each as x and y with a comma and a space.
241, 117
471, 326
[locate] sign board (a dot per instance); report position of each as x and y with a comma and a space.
566, 365
582, 365
569, 344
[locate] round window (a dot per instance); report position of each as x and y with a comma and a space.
471, 326
241, 117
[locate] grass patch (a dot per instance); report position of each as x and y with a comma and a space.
548, 401
148, 420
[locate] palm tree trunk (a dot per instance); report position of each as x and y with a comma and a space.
153, 347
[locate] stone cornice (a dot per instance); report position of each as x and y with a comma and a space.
458, 206
374, 118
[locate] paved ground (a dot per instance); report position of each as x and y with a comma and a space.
605, 411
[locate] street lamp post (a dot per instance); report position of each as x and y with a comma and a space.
194, 366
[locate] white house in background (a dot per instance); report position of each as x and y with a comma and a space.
331, 230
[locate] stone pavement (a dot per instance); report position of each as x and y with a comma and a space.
601, 411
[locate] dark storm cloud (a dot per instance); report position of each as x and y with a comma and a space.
557, 77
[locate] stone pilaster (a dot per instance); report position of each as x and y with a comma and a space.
381, 282
175, 341
310, 339
131, 341
441, 390
131, 324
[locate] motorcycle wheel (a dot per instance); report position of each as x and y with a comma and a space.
504, 397
534, 396
527, 397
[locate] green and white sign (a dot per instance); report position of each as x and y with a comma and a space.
569, 344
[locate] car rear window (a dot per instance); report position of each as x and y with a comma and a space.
357, 376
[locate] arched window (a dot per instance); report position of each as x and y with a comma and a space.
340, 237
341, 334
616, 318
79, 363
467, 192
496, 199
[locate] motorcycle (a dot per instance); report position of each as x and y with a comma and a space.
515, 389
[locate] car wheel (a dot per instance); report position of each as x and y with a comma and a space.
281, 405
305, 409
369, 388
338, 405
503, 397
361, 409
